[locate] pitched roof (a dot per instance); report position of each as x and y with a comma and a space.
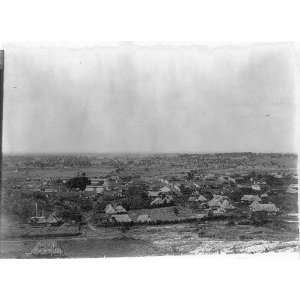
201, 198
153, 194
221, 202
120, 209
123, 218
214, 202
270, 207
198, 199
143, 218
250, 198
157, 201
165, 189
109, 209
256, 187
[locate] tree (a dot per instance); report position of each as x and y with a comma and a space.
79, 182
190, 175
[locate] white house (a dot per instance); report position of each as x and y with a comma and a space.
255, 187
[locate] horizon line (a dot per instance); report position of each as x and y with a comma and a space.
144, 152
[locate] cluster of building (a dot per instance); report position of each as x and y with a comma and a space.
207, 192
119, 215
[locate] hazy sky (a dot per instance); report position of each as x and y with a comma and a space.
149, 99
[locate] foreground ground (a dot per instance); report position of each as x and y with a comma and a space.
23, 175
197, 238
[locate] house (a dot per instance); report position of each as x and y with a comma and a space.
157, 201
89, 188
99, 190
225, 205
255, 187
197, 199
109, 210
96, 181
164, 181
50, 190
38, 220
120, 219
94, 189
120, 209
201, 198
250, 198
220, 203
165, 190
210, 177
269, 208
176, 188
54, 220
143, 219
216, 201
219, 211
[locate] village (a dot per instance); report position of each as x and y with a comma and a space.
84, 196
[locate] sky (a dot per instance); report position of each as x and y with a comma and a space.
149, 98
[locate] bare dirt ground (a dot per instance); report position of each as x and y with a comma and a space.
175, 239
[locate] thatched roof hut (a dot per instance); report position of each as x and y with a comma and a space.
47, 248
